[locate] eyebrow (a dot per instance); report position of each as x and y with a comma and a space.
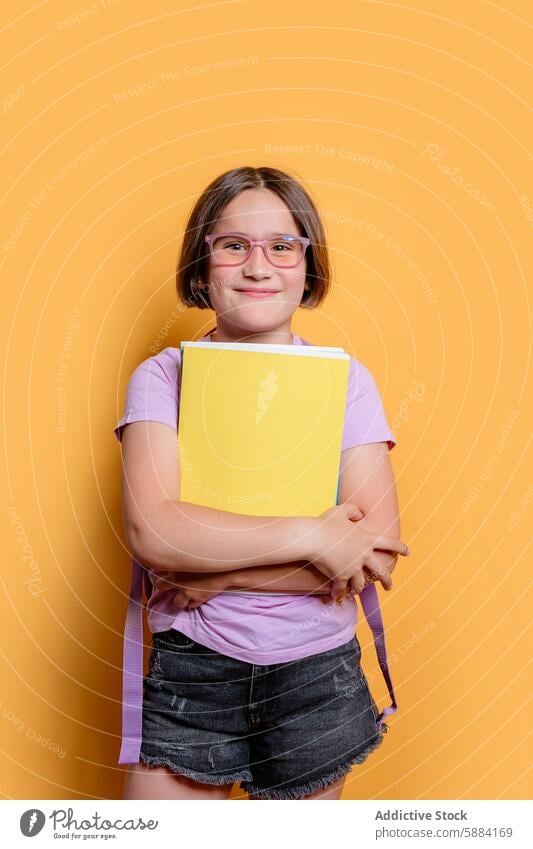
239, 233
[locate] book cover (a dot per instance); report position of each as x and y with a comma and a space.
260, 426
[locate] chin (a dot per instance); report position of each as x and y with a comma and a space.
258, 315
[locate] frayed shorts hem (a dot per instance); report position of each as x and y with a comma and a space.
201, 777
246, 782
300, 790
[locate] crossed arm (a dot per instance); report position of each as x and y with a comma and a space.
367, 481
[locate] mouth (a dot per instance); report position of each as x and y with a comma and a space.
258, 293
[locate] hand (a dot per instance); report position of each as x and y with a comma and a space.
344, 549
191, 589
339, 588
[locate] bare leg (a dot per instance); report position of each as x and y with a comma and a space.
159, 782
332, 791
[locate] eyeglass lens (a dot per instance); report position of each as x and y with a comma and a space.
234, 250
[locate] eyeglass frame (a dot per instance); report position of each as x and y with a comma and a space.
304, 240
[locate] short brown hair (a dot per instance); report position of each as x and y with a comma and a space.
192, 268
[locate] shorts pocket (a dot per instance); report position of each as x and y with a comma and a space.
172, 640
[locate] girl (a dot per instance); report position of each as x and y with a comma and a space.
262, 684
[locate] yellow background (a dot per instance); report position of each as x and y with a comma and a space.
408, 123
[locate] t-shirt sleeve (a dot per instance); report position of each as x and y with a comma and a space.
152, 392
365, 420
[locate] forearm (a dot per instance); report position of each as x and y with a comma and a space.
300, 576
179, 536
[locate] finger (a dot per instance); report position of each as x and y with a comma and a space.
370, 577
380, 571
338, 586
180, 601
357, 584
328, 595
342, 593
386, 543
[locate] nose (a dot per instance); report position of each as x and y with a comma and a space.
257, 264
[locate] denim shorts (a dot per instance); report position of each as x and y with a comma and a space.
283, 731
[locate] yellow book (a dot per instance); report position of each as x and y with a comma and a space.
260, 426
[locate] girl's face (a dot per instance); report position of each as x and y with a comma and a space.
257, 213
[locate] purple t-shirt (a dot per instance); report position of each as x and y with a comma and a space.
258, 628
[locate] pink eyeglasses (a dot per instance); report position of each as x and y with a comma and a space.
283, 250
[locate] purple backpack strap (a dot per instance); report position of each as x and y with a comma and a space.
370, 604
132, 668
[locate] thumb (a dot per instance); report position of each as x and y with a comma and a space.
352, 510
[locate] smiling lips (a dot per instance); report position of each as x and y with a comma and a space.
258, 293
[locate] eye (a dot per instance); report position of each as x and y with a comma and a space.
287, 246
234, 245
